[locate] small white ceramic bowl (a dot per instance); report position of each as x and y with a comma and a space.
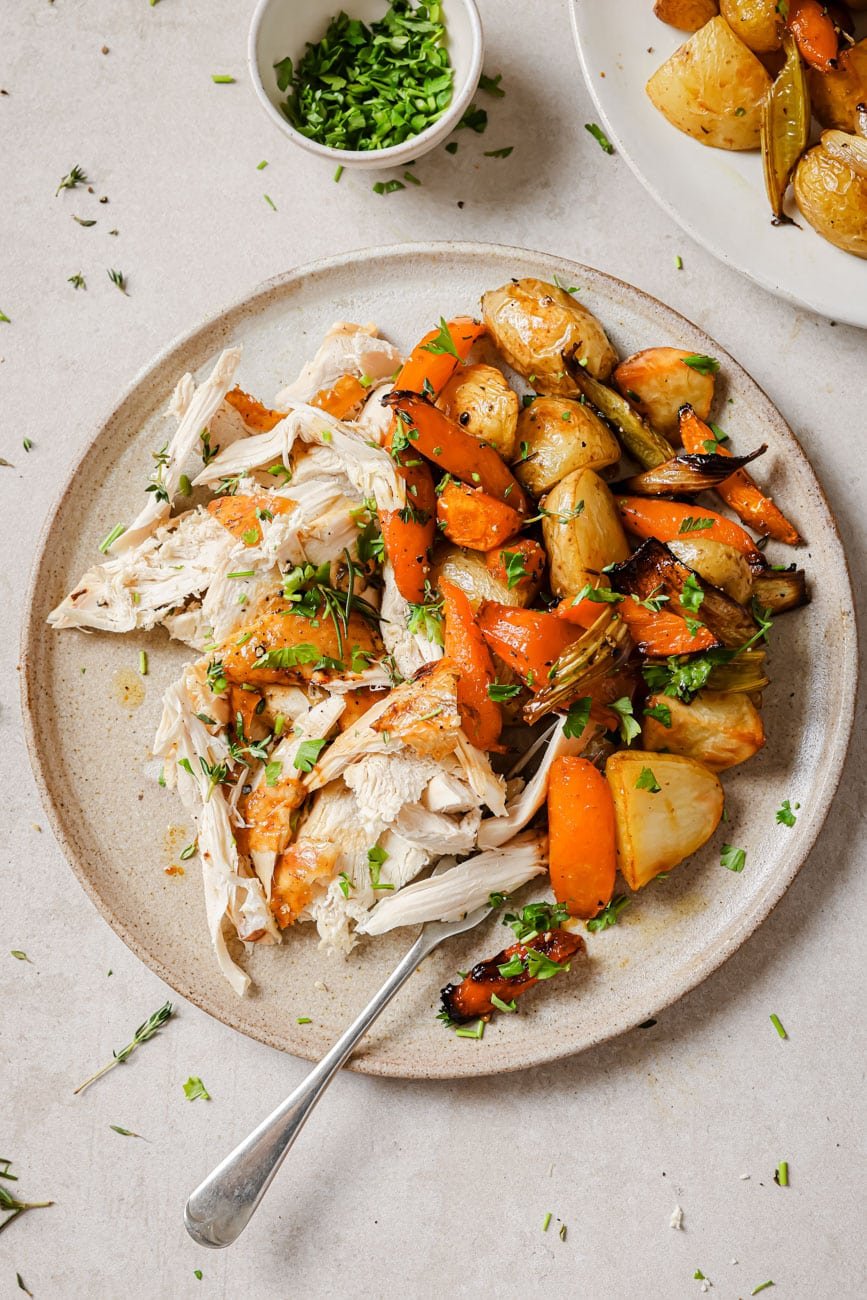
283, 27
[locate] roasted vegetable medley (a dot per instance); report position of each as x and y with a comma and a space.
753, 75
498, 607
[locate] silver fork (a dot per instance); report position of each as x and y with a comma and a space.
222, 1206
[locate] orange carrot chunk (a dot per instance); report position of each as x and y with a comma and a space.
528, 641
465, 647
670, 521
581, 845
471, 518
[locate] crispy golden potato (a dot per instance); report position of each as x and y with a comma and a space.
561, 436
479, 580
582, 532
712, 88
480, 400
716, 729
831, 190
533, 323
834, 96
718, 563
686, 15
657, 829
658, 383
758, 23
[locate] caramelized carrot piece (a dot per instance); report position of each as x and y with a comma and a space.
431, 433
662, 632
533, 561
668, 521
581, 846
528, 641
342, 398
408, 534
465, 647
238, 514
472, 997
469, 517
740, 492
259, 418
583, 614
244, 703
814, 32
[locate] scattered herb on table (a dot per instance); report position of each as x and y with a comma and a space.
4, 318
21, 956
11, 1205
143, 663
222, 79
546, 1221
194, 1089
270, 202
84, 221
75, 176
452, 147
77, 281
119, 279
21, 1286
260, 167
778, 1025
478, 1030
562, 1233
500, 153
609, 915
678, 262
785, 816
732, 859
197, 1272
762, 1287
338, 172
388, 187
492, 85
475, 119
124, 1132
369, 87
141, 1035
781, 1174
599, 136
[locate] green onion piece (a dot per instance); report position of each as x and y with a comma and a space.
782, 1175
262, 165
222, 79
501, 1005
465, 1032
143, 662
599, 136
270, 202
304, 1020
116, 532
778, 1025
678, 262
546, 1221
338, 173
763, 1287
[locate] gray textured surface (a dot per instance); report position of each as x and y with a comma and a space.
395, 1188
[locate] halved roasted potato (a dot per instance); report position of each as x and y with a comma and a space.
658, 382
717, 563
712, 88
478, 579
686, 15
533, 323
658, 828
831, 189
716, 729
758, 23
835, 95
556, 436
479, 399
582, 532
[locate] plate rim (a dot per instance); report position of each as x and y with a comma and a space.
738, 932
695, 232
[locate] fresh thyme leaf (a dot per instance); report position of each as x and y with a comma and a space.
500, 691
124, 1132
75, 176
491, 85
19, 955
194, 1089
577, 717
599, 136
6, 321
609, 915
308, 753
704, 365
197, 1272
647, 781
732, 859
77, 281
270, 202
21, 1287
443, 343
84, 221
145, 1031
188, 851
763, 1287
12, 1205
119, 279
785, 816
215, 676
626, 723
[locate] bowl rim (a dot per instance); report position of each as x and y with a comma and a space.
411, 148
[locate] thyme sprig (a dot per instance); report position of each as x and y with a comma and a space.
141, 1035
10, 1204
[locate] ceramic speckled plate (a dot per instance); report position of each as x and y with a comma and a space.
89, 718
717, 196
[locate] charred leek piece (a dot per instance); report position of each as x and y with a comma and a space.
583, 665
785, 125
686, 473
654, 572
639, 438
779, 592
744, 673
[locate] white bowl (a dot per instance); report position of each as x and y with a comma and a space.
284, 27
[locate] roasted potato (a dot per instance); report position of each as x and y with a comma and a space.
533, 323
717, 730
480, 400
834, 96
831, 190
582, 532
657, 829
712, 88
686, 15
480, 581
560, 436
758, 23
719, 564
658, 382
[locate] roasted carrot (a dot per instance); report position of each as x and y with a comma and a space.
469, 517
341, 398
240, 514
582, 613
428, 431
408, 534
814, 32
472, 997
528, 641
465, 647
739, 491
663, 632
259, 418
503, 565
668, 521
581, 846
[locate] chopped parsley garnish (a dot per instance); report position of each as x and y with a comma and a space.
704, 365
273, 772
732, 859
500, 153
500, 691
376, 857
491, 85
215, 676
785, 816
535, 918
541, 967
577, 717
194, 1089
647, 781
426, 620
344, 884
475, 119
694, 525
288, 656
443, 343
513, 563
626, 723
388, 187
307, 755
598, 595
609, 915
692, 594
661, 712
599, 136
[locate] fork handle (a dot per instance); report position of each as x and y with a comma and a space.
222, 1206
